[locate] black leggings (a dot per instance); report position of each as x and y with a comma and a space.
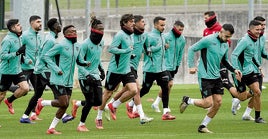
40, 85
162, 80
92, 90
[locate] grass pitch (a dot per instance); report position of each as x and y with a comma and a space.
224, 125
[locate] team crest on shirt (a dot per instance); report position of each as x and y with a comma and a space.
76, 48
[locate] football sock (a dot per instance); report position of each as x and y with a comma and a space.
81, 124
257, 114
54, 122
206, 120
140, 110
191, 101
46, 102
79, 103
116, 103
165, 110
25, 116
11, 99
157, 101
131, 103
99, 115
247, 111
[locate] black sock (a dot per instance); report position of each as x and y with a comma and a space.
11, 99
257, 114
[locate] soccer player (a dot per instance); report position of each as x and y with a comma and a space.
214, 51
140, 39
89, 78
41, 71
214, 26
173, 56
260, 53
119, 67
154, 67
61, 60
10, 68
32, 39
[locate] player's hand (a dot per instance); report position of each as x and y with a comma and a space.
30, 62
88, 64
166, 46
261, 72
192, 70
60, 73
238, 75
21, 50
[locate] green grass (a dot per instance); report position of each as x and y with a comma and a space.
224, 125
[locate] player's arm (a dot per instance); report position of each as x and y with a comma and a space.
116, 48
203, 43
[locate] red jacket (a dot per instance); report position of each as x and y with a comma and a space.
215, 28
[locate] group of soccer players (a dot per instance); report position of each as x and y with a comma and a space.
25, 57
212, 69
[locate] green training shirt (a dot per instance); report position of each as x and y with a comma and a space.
213, 52
32, 40
10, 63
120, 48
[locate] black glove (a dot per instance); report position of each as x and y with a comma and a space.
21, 50
132, 56
102, 73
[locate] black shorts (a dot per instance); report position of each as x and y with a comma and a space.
134, 72
162, 78
113, 79
250, 78
28, 73
240, 86
89, 86
171, 75
41, 80
210, 87
6, 80
59, 90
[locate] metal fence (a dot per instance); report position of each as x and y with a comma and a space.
74, 9
150, 7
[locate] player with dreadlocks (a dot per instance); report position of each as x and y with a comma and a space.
90, 77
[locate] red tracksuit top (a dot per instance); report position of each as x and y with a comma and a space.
215, 28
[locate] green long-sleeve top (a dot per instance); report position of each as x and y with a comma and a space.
242, 56
154, 61
48, 43
260, 53
139, 42
121, 52
175, 52
32, 40
10, 63
213, 52
62, 57
90, 52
